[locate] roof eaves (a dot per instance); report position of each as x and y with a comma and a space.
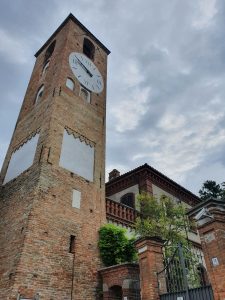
75, 20
151, 169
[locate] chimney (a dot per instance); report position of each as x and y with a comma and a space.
114, 174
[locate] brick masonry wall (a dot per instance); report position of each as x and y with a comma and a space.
14, 216
125, 276
36, 214
213, 244
150, 257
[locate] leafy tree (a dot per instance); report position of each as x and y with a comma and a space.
162, 217
223, 191
167, 219
210, 189
115, 247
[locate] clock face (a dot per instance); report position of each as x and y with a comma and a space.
86, 72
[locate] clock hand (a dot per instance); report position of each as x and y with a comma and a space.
83, 66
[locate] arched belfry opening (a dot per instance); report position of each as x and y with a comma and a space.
88, 48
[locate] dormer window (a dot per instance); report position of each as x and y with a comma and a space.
70, 84
49, 52
88, 48
39, 94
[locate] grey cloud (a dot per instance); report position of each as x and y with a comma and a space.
165, 78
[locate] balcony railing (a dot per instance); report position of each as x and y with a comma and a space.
120, 213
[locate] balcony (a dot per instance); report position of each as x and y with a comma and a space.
120, 213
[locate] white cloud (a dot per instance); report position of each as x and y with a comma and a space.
165, 85
197, 176
130, 73
207, 11
184, 145
171, 122
129, 111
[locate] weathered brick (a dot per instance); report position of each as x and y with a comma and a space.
36, 215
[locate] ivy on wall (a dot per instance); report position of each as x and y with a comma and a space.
115, 247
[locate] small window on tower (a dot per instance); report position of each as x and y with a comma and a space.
72, 244
44, 71
76, 197
85, 94
70, 84
88, 48
49, 52
39, 94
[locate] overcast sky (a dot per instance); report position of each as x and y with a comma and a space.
166, 78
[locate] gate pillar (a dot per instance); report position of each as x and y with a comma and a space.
210, 216
150, 258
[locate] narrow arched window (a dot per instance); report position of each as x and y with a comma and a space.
88, 48
39, 94
70, 84
46, 66
202, 273
49, 51
85, 94
128, 199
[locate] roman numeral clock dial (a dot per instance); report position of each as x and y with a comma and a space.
86, 72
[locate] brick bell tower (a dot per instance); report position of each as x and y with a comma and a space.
52, 199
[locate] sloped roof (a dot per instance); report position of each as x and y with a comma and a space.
156, 174
75, 20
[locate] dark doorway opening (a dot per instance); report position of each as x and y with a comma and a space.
115, 293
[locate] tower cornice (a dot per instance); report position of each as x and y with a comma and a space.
76, 21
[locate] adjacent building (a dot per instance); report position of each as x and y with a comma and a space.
122, 190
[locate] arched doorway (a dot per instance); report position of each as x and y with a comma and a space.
203, 276
115, 293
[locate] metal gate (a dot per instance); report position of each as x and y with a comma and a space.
184, 276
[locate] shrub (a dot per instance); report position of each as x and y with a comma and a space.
115, 247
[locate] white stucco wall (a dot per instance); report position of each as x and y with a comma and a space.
77, 156
21, 159
159, 192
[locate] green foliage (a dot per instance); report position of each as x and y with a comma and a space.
115, 247
167, 219
161, 217
210, 189
223, 191
175, 277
